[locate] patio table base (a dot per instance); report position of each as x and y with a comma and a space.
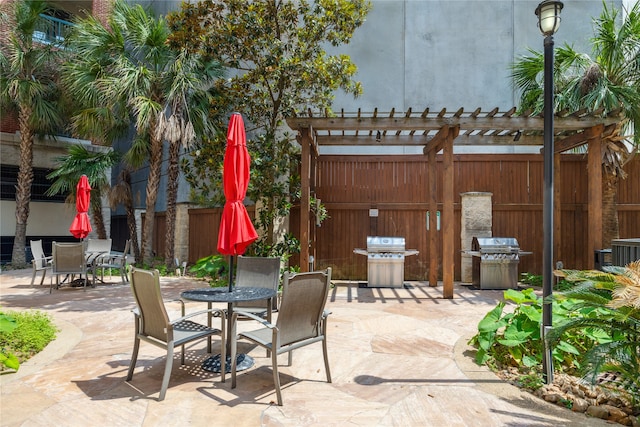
243, 361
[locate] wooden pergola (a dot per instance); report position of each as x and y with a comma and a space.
439, 131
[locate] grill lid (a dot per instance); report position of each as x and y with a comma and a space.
385, 244
495, 245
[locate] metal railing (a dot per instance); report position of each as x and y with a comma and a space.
50, 30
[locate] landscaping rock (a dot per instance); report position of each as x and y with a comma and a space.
579, 405
598, 412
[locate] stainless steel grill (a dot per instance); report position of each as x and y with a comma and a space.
385, 261
495, 262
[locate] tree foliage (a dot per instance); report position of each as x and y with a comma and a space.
28, 88
275, 52
125, 72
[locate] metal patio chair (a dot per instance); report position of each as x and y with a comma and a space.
40, 261
302, 320
259, 272
152, 324
68, 259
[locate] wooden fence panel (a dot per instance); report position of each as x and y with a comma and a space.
398, 187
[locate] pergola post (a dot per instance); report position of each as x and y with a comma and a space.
305, 193
557, 210
448, 218
594, 173
433, 209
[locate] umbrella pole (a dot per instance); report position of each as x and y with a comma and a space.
230, 306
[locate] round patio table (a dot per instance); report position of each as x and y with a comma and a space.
236, 295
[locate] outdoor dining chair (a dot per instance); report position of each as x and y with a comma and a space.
302, 320
111, 261
152, 324
68, 259
258, 272
40, 261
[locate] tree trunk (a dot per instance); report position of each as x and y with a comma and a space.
153, 183
610, 225
96, 213
133, 229
172, 196
23, 187
131, 219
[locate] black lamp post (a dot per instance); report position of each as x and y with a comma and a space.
548, 13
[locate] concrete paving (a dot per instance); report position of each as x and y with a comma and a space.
399, 357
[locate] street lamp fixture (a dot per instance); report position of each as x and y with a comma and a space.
548, 13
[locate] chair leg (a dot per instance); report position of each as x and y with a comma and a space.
167, 372
33, 278
234, 362
326, 358
134, 358
223, 353
276, 375
44, 273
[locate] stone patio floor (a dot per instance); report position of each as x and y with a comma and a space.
398, 356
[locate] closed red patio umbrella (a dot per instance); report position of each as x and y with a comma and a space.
236, 230
81, 226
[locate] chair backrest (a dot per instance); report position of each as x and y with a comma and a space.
155, 321
259, 272
304, 296
68, 258
38, 253
99, 245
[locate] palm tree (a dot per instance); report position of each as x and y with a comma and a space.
609, 80
121, 194
29, 88
192, 80
78, 162
128, 70
615, 296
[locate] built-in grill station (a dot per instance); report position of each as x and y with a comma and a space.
495, 262
385, 261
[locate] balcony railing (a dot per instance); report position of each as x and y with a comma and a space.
51, 30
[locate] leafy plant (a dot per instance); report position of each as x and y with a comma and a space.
513, 338
531, 279
7, 325
213, 267
32, 332
614, 297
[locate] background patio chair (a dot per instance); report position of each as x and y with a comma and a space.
112, 261
152, 324
301, 321
68, 259
40, 261
258, 272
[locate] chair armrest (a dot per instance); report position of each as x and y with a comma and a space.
219, 312
254, 317
326, 314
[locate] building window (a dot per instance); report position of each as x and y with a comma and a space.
9, 180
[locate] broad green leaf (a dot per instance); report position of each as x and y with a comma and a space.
7, 323
491, 322
10, 361
530, 361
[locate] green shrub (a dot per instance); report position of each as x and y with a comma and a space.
32, 332
215, 268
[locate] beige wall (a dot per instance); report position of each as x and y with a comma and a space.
45, 219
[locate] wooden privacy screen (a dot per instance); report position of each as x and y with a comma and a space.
398, 187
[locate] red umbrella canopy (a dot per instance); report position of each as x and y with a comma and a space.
81, 226
236, 230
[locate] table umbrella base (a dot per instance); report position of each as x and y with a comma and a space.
243, 361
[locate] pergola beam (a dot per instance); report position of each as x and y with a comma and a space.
441, 130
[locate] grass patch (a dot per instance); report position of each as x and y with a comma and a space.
32, 332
